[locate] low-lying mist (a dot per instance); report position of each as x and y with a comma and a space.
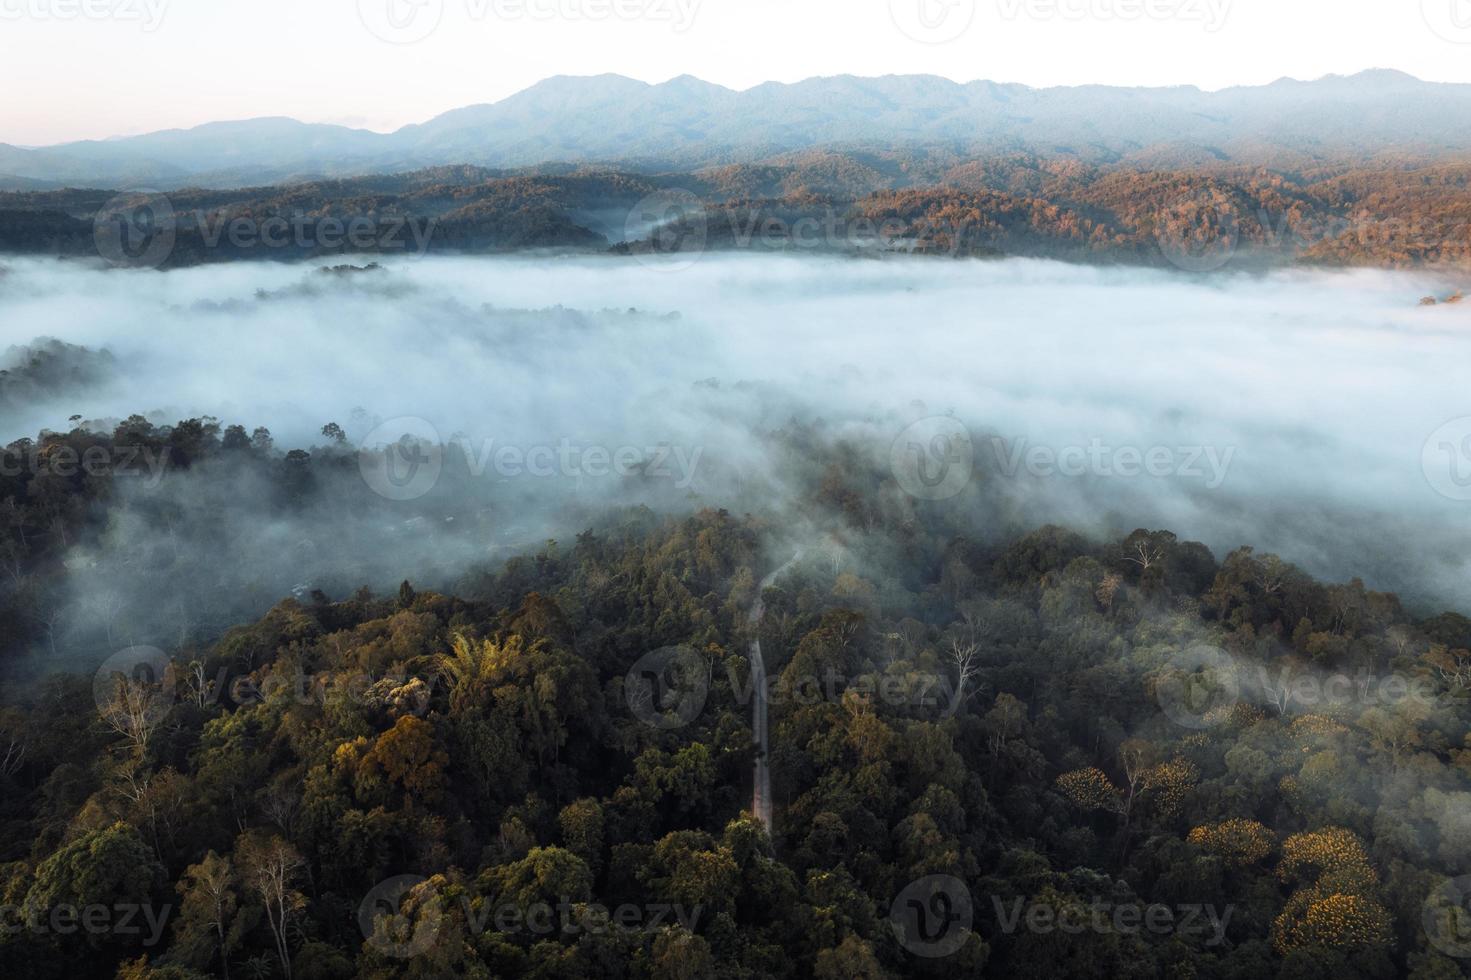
1303, 412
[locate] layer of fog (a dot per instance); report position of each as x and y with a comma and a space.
1316, 390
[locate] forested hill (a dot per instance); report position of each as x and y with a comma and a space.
1403, 213
1085, 758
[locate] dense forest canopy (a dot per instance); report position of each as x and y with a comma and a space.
1032, 755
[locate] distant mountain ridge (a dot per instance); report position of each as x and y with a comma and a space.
687, 123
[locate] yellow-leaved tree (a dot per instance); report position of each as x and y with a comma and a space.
1336, 905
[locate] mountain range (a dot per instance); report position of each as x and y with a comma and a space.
688, 123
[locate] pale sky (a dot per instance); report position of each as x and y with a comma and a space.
78, 69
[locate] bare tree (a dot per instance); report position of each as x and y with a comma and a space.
135, 708
280, 805
982, 619
963, 656
108, 605
270, 867
1453, 667
1402, 637
14, 741
197, 682
51, 620
1270, 574
1146, 555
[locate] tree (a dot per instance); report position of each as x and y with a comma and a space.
963, 659
1237, 842
407, 755
207, 918
270, 867
103, 867
581, 823
1335, 905
136, 705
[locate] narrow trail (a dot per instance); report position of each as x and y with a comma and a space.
761, 782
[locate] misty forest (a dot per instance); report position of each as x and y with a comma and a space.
1039, 554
